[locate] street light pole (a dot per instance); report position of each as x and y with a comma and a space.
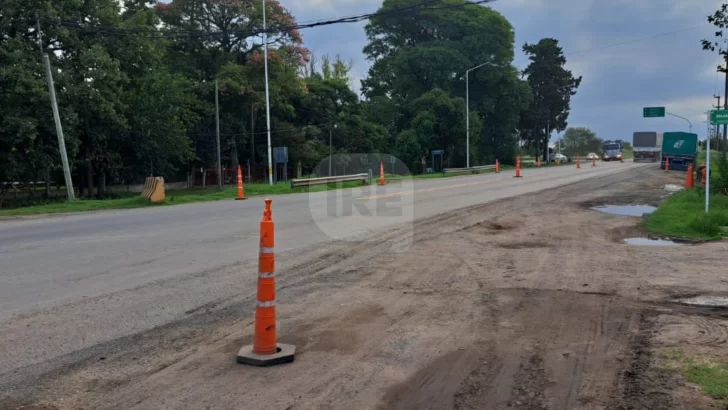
330, 153
467, 112
683, 118
267, 97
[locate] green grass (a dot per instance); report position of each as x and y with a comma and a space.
173, 197
711, 377
683, 216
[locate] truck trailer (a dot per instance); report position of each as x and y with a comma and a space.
647, 146
680, 148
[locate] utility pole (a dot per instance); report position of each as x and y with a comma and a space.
59, 130
267, 97
56, 117
217, 137
252, 133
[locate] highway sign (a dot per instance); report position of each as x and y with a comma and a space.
653, 112
719, 117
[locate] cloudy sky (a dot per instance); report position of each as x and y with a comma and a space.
631, 54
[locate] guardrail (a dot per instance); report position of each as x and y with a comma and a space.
329, 180
465, 170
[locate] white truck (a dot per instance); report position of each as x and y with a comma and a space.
647, 146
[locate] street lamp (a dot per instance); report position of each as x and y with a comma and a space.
690, 124
467, 112
330, 133
267, 97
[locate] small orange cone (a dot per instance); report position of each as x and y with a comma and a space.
497, 167
265, 350
538, 162
381, 174
689, 179
667, 164
518, 167
578, 162
241, 192
594, 162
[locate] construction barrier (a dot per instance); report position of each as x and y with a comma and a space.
154, 189
266, 351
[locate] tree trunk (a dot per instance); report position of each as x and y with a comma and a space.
89, 175
47, 182
101, 185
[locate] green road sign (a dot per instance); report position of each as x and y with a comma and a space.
653, 112
719, 117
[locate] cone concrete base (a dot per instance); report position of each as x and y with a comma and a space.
285, 354
240, 199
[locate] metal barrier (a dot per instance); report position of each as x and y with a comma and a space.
472, 170
329, 180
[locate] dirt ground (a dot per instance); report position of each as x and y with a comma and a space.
526, 303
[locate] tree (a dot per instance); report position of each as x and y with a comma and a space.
430, 48
552, 86
580, 140
719, 19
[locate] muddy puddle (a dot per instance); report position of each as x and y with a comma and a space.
651, 242
704, 300
626, 210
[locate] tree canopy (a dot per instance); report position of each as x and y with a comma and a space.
136, 80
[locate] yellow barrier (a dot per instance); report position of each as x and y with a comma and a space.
154, 189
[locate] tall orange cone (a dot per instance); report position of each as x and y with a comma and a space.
265, 351
381, 173
241, 192
578, 162
538, 162
518, 167
689, 179
667, 164
594, 162
497, 167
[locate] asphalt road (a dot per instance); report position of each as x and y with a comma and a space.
74, 281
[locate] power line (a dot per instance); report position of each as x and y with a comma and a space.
110, 30
637, 40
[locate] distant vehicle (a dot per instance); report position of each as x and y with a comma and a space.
647, 146
612, 150
560, 157
592, 156
681, 148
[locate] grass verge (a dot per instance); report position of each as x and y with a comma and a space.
173, 197
683, 216
711, 377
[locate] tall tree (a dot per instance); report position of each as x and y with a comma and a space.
719, 19
552, 86
431, 48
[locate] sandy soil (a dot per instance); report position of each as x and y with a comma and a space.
526, 303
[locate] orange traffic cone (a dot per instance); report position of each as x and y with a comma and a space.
667, 164
381, 174
689, 179
594, 162
578, 162
538, 162
241, 192
497, 167
518, 167
265, 351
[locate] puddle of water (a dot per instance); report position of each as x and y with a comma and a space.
710, 301
626, 210
650, 242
